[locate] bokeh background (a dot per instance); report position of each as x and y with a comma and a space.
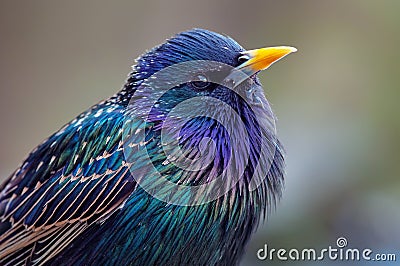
337, 99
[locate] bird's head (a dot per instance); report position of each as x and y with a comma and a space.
200, 89
217, 57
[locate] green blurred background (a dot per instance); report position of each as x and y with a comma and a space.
336, 98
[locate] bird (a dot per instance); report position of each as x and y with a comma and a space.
130, 181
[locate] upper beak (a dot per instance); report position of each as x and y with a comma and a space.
260, 59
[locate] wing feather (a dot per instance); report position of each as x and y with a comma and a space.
78, 176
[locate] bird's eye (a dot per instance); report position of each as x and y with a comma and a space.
200, 82
243, 58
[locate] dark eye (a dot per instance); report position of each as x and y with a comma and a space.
243, 58
200, 82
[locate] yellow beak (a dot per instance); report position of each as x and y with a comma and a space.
260, 59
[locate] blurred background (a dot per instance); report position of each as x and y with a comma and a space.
336, 98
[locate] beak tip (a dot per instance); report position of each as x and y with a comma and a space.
289, 49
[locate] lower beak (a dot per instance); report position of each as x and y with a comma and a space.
260, 59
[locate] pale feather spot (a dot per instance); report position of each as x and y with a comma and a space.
76, 158
132, 145
98, 113
40, 165
79, 122
25, 189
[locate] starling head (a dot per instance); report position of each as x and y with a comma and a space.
227, 62
204, 45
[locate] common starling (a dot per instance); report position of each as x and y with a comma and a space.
177, 168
